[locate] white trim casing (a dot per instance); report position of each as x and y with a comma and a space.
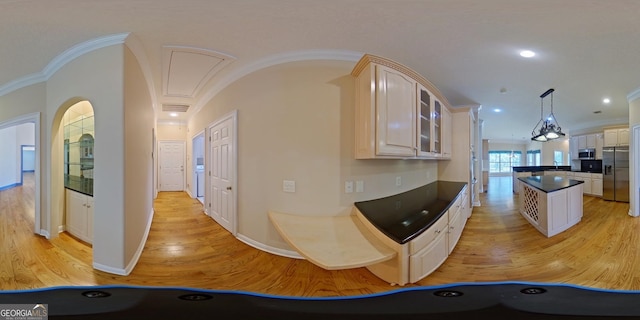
634, 177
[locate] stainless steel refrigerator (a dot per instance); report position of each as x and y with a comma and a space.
615, 173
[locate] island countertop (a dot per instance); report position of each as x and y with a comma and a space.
549, 183
404, 216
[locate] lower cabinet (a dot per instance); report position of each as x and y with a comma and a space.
429, 258
432, 247
79, 215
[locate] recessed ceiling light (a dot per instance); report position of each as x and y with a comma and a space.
173, 114
527, 54
606, 100
497, 110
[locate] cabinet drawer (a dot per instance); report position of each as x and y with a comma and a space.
456, 225
438, 228
429, 259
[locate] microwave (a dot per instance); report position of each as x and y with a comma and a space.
587, 154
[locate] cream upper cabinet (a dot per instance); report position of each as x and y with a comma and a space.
591, 141
396, 125
616, 137
398, 113
582, 142
431, 125
385, 113
447, 133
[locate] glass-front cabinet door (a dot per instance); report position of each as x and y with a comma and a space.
436, 118
424, 132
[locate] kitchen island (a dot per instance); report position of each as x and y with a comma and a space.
551, 204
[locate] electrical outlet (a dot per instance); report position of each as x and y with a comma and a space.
398, 181
359, 186
288, 186
348, 186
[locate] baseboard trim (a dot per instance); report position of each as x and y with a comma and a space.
127, 270
45, 234
9, 186
269, 249
108, 269
138, 253
189, 193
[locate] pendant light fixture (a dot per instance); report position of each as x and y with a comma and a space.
550, 129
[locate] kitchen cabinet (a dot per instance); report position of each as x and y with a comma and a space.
582, 142
398, 114
420, 256
573, 147
79, 215
616, 137
447, 133
515, 180
590, 141
599, 144
596, 184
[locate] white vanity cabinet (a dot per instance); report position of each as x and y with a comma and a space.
79, 215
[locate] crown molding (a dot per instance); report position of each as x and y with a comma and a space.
340, 55
633, 95
62, 59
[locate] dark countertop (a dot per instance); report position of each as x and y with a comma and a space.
540, 168
78, 184
550, 183
404, 216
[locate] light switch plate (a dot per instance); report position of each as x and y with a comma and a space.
288, 186
348, 186
360, 186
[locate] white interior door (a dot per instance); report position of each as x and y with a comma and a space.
171, 165
222, 168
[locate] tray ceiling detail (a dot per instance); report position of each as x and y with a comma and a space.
187, 70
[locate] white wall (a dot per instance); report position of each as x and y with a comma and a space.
138, 184
12, 138
296, 122
96, 76
25, 135
547, 151
8, 155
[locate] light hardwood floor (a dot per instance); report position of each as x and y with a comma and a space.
185, 248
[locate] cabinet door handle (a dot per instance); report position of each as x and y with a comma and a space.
437, 231
84, 204
88, 206
228, 188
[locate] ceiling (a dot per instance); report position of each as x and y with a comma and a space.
586, 50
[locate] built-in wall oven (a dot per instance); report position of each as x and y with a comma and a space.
587, 154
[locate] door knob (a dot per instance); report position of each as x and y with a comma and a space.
228, 188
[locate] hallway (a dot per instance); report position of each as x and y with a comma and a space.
185, 248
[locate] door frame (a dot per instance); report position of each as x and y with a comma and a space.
233, 115
184, 162
193, 190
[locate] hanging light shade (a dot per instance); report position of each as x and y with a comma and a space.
549, 127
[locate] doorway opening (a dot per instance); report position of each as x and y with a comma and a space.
17, 135
198, 183
78, 131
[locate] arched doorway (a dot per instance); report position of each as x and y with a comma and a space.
72, 160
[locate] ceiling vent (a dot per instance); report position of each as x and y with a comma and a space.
175, 107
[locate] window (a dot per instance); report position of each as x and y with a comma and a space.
502, 161
557, 158
533, 157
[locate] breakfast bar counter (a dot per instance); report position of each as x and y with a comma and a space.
551, 204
